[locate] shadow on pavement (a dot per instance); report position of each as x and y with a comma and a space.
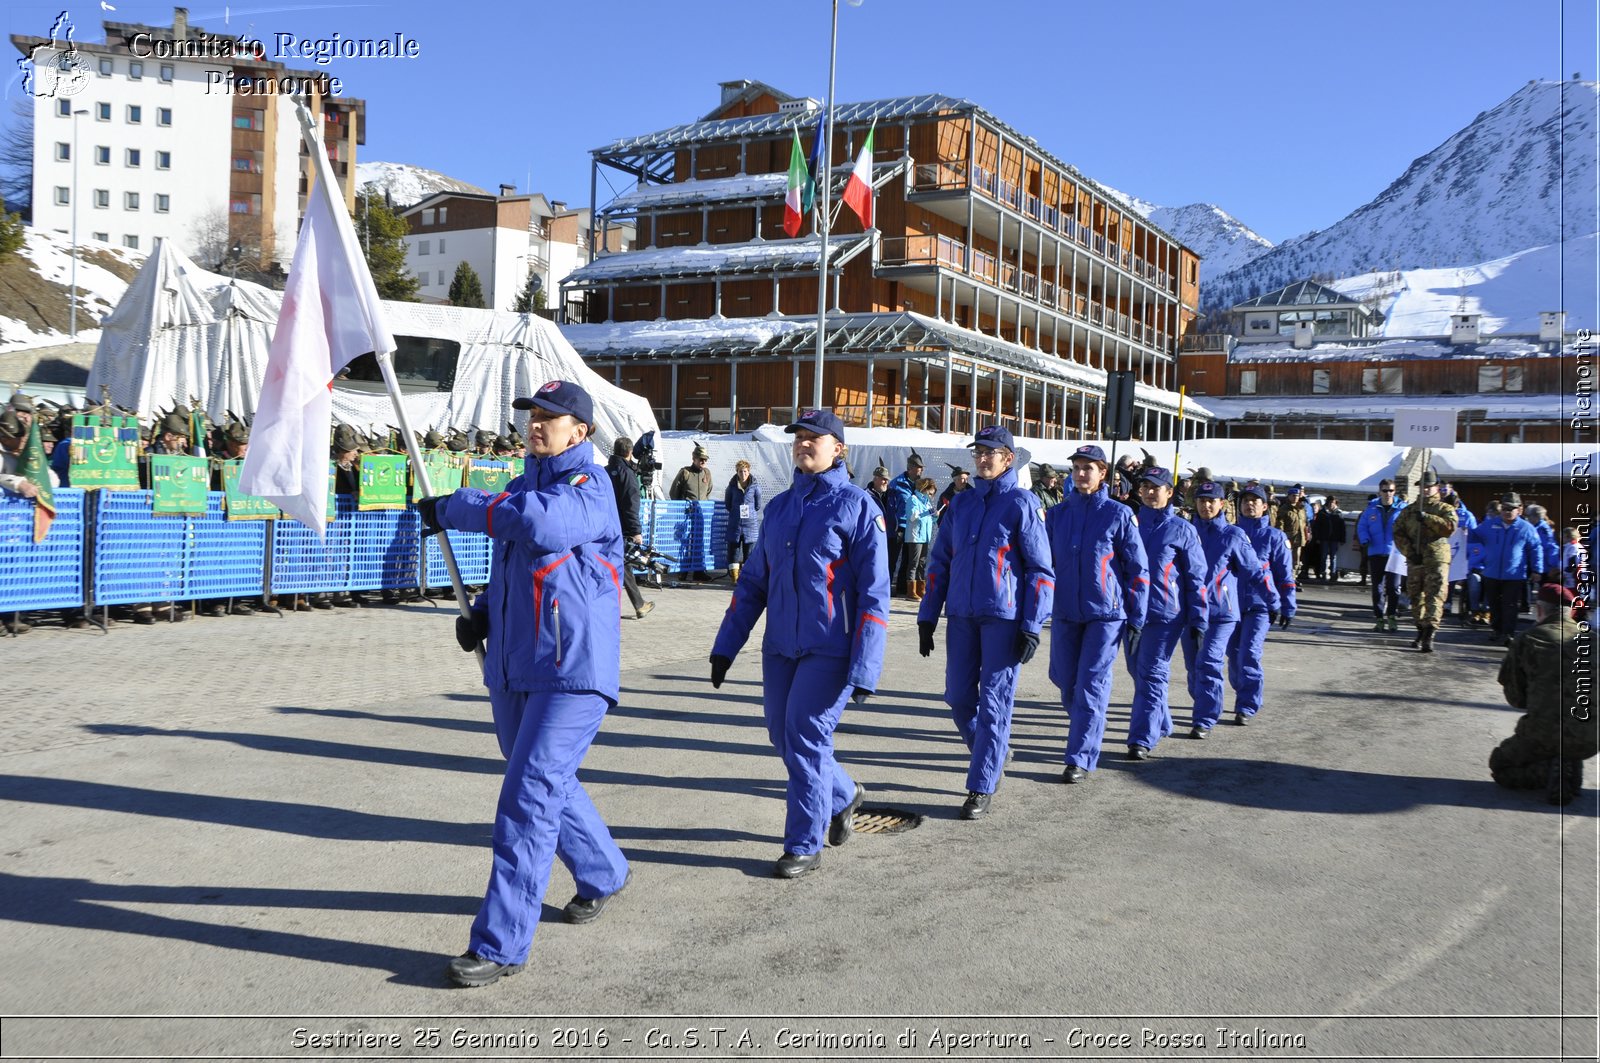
484, 726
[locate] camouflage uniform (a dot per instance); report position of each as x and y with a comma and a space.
1542, 674
1422, 533
1291, 520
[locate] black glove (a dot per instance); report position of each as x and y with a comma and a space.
428, 510
719, 669
1283, 620
860, 695
1131, 636
925, 629
1272, 618
1027, 646
471, 630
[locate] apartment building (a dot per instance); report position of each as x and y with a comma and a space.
998, 284
184, 134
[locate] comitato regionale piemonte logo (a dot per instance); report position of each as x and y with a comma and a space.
55, 68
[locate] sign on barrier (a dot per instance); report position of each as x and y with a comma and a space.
239, 505
383, 482
445, 470
105, 452
178, 485
487, 475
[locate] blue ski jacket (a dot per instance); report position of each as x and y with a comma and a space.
1099, 560
1375, 527
1229, 559
1277, 561
1178, 568
1510, 551
990, 558
820, 572
554, 599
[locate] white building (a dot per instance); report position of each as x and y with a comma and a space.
503, 238
173, 136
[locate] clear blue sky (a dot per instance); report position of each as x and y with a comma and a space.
1286, 115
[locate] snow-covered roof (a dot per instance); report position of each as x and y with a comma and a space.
847, 334
1301, 293
1502, 460
1402, 349
745, 188
757, 256
1499, 407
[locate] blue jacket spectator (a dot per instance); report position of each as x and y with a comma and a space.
1511, 551
743, 503
919, 518
1375, 528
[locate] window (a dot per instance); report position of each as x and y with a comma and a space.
135, 114
64, 108
163, 116
427, 216
63, 152
104, 238
239, 206
421, 364
166, 73
1320, 379
102, 198
441, 245
1381, 380
102, 155
135, 70
132, 157
423, 247
131, 241
1247, 381
105, 68
63, 195
163, 160
102, 112
249, 119
163, 203
442, 279
442, 211
130, 201
1499, 378
243, 165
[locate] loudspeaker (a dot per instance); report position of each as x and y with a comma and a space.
1119, 405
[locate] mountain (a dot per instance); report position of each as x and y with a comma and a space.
407, 184
1222, 241
1518, 176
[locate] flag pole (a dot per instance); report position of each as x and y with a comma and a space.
824, 167
324, 177
1177, 442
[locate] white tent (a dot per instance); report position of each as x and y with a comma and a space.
181, 332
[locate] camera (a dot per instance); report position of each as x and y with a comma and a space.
641, 558
644, 459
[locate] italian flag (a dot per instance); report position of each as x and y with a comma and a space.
858, 190
793, 216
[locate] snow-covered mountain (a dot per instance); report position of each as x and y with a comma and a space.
1521, 175
1222, 241
407, 184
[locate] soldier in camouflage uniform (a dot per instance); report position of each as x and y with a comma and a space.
1422, 533
1548, 673
1291, 520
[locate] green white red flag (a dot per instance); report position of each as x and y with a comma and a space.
793, 215
858, 190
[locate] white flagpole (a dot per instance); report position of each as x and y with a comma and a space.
325, 185
825, 179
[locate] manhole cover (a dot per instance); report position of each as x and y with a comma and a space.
884, 821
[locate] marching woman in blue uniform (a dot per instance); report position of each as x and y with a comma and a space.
551, 616
1257, 613
1229, 560
1101, 594
990, 572
820, 572
1177, 604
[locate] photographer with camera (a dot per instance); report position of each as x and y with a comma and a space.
625, 485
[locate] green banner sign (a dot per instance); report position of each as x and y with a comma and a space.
488, 475
446, 471
105, 453
241, 506
383, 482
178, 485
517, 465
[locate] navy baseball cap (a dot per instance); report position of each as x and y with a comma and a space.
994, 435
558, 397
1297, 489
1209, 489
1090, 453
1255, 491
1155, 474
822, 422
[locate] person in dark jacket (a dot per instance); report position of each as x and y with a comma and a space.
1177, 565
821, 575
990, 573
1102, 592
960, 480
625, 489
742, 499
551, 619
1330, 532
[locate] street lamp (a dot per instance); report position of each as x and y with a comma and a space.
72, 291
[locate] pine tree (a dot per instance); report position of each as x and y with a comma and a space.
382, 234
529, 298
11, 235
466, 289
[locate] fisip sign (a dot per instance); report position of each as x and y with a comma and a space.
1425, 428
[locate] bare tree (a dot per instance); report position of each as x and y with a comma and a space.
16, 159
217, 244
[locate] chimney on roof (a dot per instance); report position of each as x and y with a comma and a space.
180, 23
1464, 328
558, 206
508, 190
1305, 334
731, 90
1552, 326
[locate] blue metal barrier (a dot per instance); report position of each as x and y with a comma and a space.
224, 559
385, 549
302, 565
696, 533
46, 575
138, 557
473, 554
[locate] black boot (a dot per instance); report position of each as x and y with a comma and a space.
1427, 638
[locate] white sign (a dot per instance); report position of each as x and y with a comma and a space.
1425, 428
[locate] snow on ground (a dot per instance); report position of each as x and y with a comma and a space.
1509, 292
51, 256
